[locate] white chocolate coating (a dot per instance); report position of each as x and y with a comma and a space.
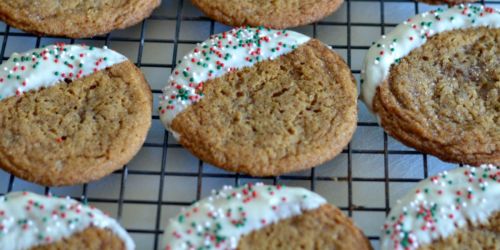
28, 220
235, 49
440, 205
412, 34
45, 67
219, 221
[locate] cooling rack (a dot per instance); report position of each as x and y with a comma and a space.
363, 181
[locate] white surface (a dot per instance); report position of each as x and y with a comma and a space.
142, 190
253, 207
30, 220
51, 65
441, 205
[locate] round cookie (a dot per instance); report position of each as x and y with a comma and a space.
71, 113
270, 14
458, 209
263, 217
261, 102
433, 83
31, 221
76, 18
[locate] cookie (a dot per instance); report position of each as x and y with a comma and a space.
270, 14
74, 19
71, 113
263, 217
458, 209
433, 83
261, 102
31, 221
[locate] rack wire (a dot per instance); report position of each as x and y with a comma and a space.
343, 181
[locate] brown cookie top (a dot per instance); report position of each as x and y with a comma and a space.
89, 239
76, 18
272, 14
323, 228
276, 116
259, 216
433, 83
77, 131
442, 98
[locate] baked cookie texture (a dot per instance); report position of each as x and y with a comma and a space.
76, 131
324, 228
75, 18
271, 14
442, 98
31, 221
258, 216
91, 239
276, 116
457, 209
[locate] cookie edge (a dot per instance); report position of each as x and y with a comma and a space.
305, 162
105, 169
75, 32
292, 21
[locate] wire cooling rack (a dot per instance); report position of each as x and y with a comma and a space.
364, 180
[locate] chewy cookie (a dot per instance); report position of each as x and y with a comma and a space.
263, 217
75, 18
433, 83
31, 221
71, 113
459, 209
262, 102
270, 14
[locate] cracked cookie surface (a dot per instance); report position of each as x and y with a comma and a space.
443, 98
75, 18
278, 116
77, 131
271, 14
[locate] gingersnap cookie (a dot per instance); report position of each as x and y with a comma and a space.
31, 221
71, 113
261, 102
76, 18
433, 83
270, 14
458, 209
263, 217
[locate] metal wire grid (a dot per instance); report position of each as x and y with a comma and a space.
311, 177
